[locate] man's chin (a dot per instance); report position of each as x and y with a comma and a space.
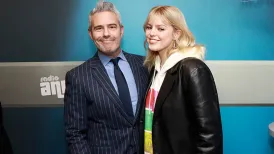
108, 51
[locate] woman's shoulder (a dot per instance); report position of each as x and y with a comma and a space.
192, 67
192, 63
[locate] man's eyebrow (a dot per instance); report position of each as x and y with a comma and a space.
100, 26
112, 24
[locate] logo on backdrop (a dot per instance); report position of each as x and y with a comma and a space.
52, 86
255, 3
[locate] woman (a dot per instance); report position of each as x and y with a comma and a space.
181, 114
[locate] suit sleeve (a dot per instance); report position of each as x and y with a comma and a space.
203, 97
75, 116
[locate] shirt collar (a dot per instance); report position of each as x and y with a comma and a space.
106, 59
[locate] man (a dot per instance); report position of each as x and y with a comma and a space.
103, 95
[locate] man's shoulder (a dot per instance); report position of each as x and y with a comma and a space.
134, 56
80, 69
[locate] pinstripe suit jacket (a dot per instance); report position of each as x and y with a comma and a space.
95, 120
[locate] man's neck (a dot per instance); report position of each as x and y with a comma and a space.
112, 54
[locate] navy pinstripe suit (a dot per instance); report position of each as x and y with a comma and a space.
95, 120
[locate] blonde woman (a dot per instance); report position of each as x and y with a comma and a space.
181, 114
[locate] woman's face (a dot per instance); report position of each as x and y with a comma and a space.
159, 34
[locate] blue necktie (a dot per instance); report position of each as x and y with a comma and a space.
123, 90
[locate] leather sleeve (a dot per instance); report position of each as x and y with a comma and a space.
5, 145
202, 94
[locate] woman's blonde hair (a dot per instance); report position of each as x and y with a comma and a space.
186, 41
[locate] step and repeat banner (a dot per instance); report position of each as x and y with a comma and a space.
33, 83
39, 84
42, 40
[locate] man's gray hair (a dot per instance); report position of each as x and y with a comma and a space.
103, 6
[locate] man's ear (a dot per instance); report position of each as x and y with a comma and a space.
122, 30
90, 34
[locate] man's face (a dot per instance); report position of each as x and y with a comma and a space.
106, 32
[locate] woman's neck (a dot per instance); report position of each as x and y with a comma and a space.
164, 54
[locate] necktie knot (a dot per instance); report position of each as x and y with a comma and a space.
115, 61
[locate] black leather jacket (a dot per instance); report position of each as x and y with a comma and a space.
187, 115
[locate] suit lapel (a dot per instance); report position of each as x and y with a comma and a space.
100, 75
136, 69
164, 91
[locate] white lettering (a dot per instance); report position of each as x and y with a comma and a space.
52, 86
63, 85
56, 89
45, 89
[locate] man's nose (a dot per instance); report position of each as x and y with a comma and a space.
106, 32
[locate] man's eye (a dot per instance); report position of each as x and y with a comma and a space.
98, 28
